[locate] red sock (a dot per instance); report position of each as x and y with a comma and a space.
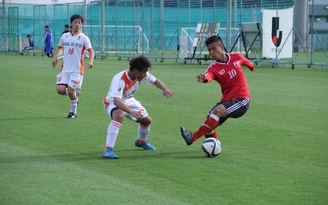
213, 134
209, 125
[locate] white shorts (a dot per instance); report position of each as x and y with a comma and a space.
132, 103
73, 80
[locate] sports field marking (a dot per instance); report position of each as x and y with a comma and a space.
49, 172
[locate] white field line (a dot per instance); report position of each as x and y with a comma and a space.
97, 181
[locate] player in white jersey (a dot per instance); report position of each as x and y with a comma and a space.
70, 78
120, 103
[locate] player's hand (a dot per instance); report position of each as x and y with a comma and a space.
137, 115
201, 78
54, 62
90, 65
168, 93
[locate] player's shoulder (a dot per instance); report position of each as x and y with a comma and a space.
212, 64
211, 67
121, 76
118, 78
84, 37
149, 74
149, 78
235, 53
83, 34
66, 35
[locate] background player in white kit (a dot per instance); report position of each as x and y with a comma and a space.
120, 103
71, 73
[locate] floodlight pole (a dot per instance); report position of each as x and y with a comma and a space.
4, 23
229, 4
85, 16
235, 16
312, 31
103, 25
162, 24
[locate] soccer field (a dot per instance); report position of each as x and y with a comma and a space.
275, 154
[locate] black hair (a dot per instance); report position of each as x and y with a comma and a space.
66, 26
213, 39
46, 26
77, 16
140, 63
28, 35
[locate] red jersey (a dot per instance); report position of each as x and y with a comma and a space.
230, 76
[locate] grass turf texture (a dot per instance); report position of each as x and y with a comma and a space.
275, 154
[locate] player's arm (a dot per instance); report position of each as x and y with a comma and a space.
247, 63
166, 92
122, 106
91, 57
206, 77
55, 60
88, 46
58, 51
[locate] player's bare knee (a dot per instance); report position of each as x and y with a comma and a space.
220, 111
118, 115
145, 121
61, 92
61, 89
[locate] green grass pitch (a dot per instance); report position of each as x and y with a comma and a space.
275, 154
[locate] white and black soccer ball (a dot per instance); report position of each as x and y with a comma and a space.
211, 147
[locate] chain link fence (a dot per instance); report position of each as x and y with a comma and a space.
127, 28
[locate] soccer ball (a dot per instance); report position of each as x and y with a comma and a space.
211, 147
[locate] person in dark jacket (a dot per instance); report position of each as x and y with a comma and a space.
66, 27
30, 45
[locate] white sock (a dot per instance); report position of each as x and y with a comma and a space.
112, 133
143, 132
74, 106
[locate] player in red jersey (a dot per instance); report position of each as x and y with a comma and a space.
227, 71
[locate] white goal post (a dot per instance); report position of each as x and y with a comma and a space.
127, 37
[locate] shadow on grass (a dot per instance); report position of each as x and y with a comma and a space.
128, 154
144, 154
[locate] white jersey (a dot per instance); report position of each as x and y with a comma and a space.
123, 87
74, 47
